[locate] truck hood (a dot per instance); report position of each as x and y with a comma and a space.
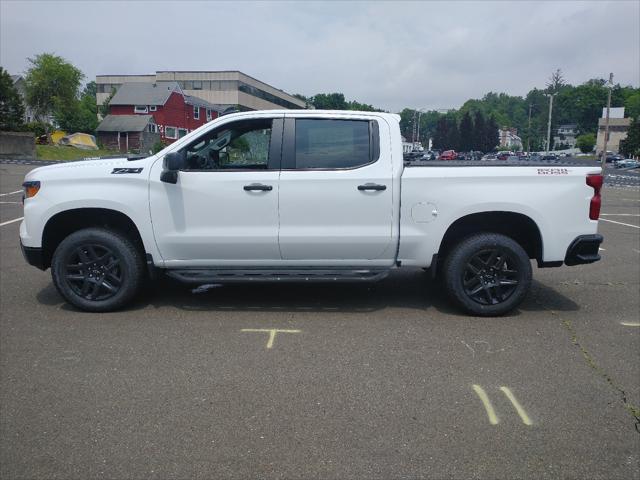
88, 168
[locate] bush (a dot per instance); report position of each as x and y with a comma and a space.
38, 128
586, 142
157, 147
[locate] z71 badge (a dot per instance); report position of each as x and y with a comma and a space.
118, 171
553, 171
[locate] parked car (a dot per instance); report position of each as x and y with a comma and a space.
614, 158
503, 155
231, 202
448, 155
550, 156
534, 157
627, 163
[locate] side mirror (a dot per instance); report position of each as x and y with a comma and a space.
173, 163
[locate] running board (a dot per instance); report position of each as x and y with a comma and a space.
201, 275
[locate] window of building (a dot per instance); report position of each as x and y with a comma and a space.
171, 132
196, 112
140, 109
242, 145
153, 108
152, 127
208, 114
197, 85
188, 85
332, 144
182, 132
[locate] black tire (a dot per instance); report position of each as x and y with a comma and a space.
97, 270
487, 274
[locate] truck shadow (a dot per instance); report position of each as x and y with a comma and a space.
411, 288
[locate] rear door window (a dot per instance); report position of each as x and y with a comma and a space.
333, 144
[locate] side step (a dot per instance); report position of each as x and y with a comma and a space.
200, 276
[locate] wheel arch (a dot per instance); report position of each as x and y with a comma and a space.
518, 226
64, 223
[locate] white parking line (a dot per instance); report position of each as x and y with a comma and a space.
10, 221
630, 324
12, 203
620, 223
620, 214
10, 193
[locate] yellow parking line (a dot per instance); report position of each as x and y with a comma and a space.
516, 405
272, 333
493, 418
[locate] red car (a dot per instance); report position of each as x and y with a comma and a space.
448, 155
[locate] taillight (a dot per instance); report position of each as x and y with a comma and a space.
595, 182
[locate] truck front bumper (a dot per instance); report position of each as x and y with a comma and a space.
33, 256
584, 249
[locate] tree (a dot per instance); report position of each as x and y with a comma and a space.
490, 137
11, 108
632, 105
478, 131
441, 135
586, 142
631, 145
51, 83
465, 142
556, 82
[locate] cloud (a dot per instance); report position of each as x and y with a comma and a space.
389, 54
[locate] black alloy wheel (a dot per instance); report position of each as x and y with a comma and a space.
94, 272
487, 274
98, 269
490, 276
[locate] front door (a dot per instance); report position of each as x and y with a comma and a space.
223, 211
335, 193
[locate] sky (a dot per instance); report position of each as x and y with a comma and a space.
428, 55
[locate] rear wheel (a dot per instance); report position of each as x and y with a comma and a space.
487, 274
97, 270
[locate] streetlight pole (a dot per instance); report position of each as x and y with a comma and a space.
529, 131
603, 162
550, 95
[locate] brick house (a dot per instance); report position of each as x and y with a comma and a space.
174, 113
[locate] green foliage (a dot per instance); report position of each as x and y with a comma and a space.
465, 143
631, 145
38, 128
104, 108
335, 101
157, 147
51, 83
11, 108
632, 105
586, 142
64, 153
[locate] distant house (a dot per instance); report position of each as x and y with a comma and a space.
128, 133
566, 136
509, 138
174, 113
18, 83
618, 128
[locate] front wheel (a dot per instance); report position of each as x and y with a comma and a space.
487, 274
97, 270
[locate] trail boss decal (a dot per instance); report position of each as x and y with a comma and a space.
117, 171
553, 171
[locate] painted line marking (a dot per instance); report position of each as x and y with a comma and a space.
493, 418
523, 415
620, 223
601, 249
272, 333
620, 214
10, 221
10, 193
635, 250
12, 203
630, 324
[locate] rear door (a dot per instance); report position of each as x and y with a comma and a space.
335, 192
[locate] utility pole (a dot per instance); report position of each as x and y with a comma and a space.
550, 95
413, 135
418, 135
529, 131
606, 124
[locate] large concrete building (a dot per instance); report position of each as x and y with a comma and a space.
618, 127
226, 89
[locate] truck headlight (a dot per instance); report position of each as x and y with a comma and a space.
30, 189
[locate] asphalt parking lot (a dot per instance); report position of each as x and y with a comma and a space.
328, 382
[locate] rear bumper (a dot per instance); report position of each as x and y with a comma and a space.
584, 249
33, 256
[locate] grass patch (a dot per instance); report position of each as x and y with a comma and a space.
63, 153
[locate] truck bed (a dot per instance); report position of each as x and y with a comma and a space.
500, 163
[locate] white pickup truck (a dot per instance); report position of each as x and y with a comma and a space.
305, 195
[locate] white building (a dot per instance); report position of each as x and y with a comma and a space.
509, 138
618, 127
